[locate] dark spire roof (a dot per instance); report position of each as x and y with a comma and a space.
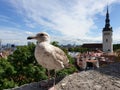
107, 22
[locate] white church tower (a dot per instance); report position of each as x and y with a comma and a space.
107, 35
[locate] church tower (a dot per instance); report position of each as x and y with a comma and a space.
107, 35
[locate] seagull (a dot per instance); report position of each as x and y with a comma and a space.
47, 55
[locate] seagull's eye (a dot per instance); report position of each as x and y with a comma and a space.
41, 34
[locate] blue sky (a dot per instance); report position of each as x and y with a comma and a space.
67, 21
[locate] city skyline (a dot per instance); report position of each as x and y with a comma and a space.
68, 22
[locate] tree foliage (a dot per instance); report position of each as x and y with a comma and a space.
116, 47
55, 43
78, 49
21, 68
26, 66
6, 74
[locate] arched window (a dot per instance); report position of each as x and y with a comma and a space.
106, 40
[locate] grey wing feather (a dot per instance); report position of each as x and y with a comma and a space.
60, 55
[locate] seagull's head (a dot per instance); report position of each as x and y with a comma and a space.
40, 37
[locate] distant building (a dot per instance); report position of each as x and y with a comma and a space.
93, 46
107, 35
29, 43
8, 45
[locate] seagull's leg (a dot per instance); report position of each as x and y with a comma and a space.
54, 77
47, 84
48, 73
49, 77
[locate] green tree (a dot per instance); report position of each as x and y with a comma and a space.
116, 47
78, 49
26, 66
21, 67
55, 43
7, 72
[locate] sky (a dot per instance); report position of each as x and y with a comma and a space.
66, 21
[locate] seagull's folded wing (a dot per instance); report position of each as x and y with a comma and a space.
60, 55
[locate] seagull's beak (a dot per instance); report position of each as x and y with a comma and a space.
31, 37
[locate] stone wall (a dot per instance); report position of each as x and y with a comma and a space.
107, 78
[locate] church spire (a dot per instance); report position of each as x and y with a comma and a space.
107, 22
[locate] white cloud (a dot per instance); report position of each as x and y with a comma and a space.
72, 18
14, 36
116, 35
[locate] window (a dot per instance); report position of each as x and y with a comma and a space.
106, 40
